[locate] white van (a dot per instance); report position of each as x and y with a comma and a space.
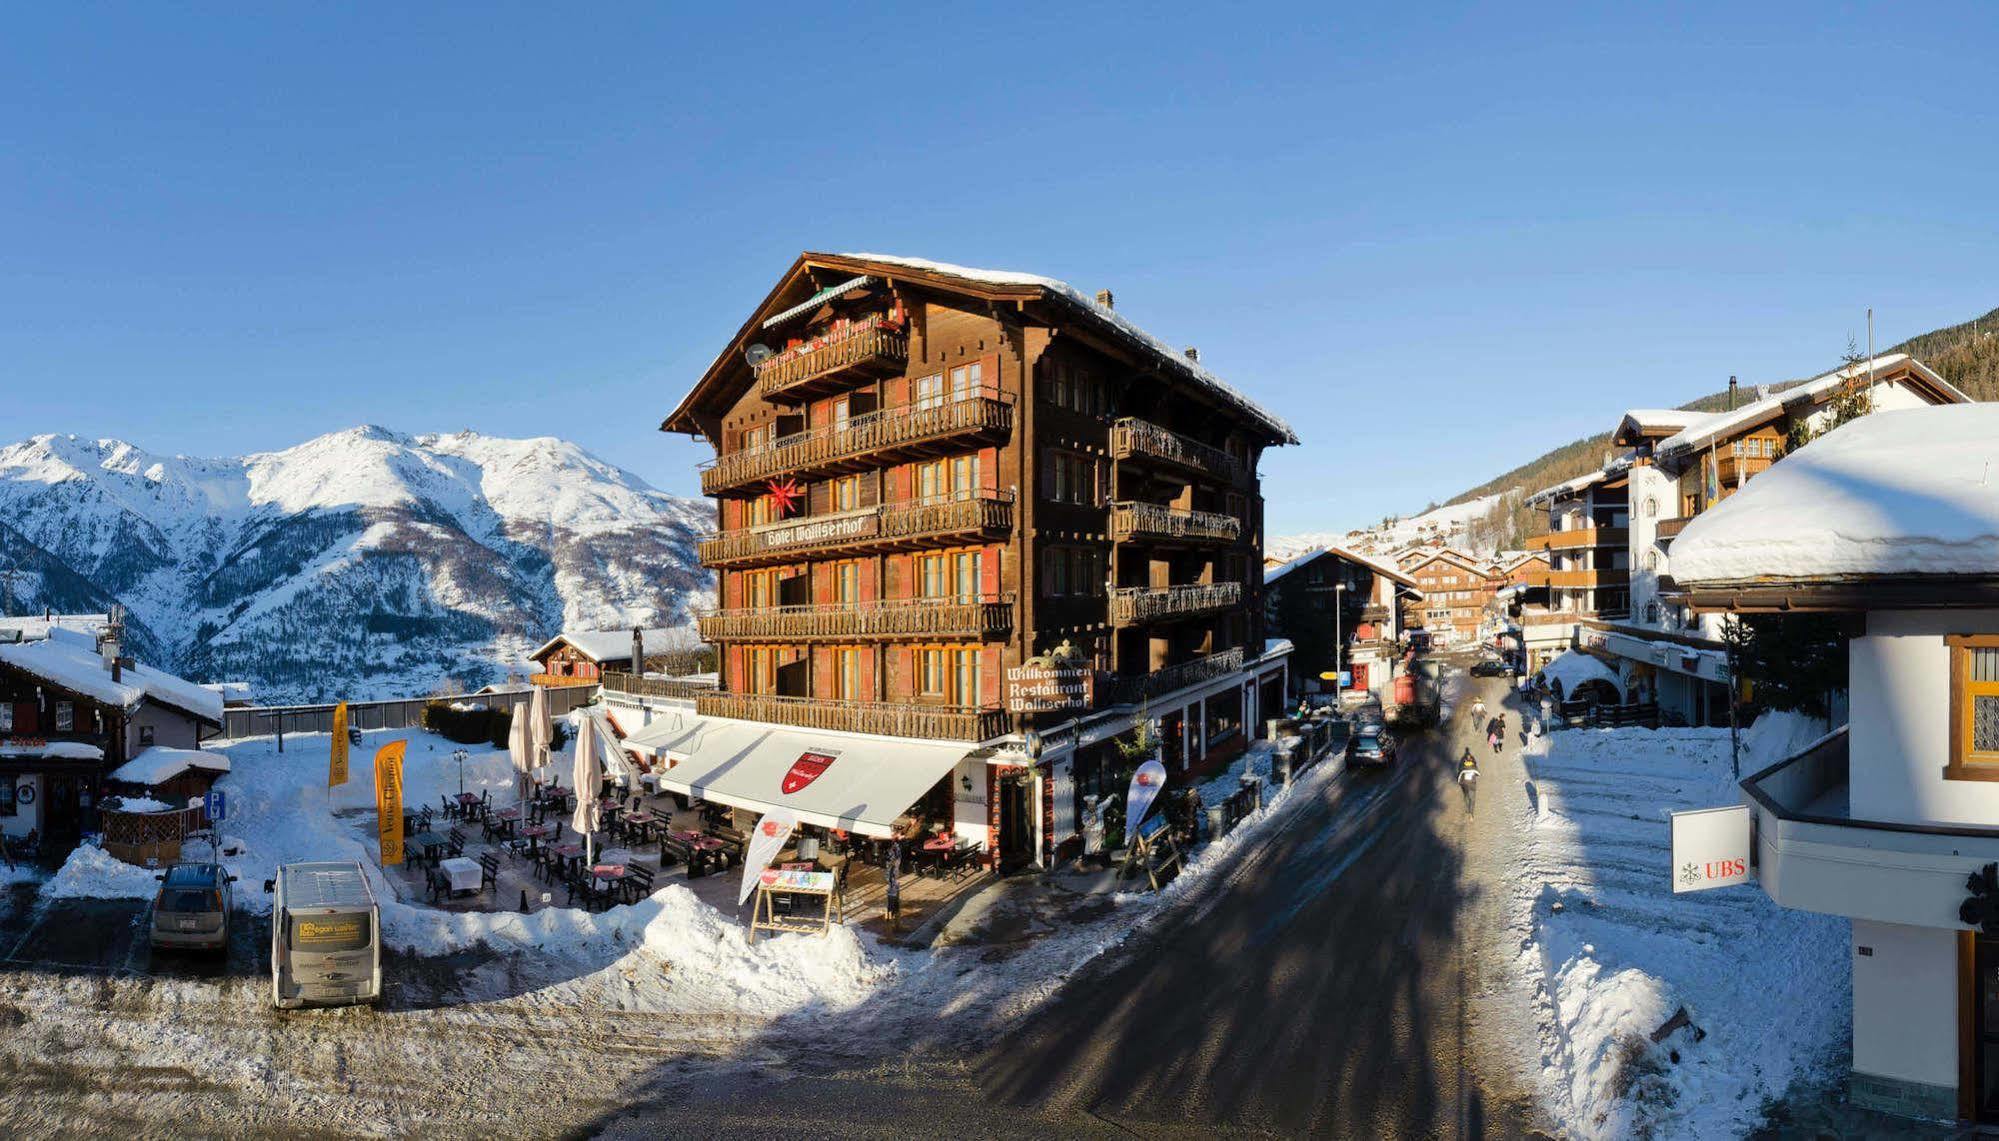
326, 936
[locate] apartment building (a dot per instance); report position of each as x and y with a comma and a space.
972, 524
1893, 819
1334, 597
1456, 594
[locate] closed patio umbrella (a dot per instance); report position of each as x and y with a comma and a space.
520, 749
587, 774
541, 731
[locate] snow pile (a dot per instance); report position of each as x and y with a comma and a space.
159, 763
1912, 491
1612, 954
138, 804
93, 873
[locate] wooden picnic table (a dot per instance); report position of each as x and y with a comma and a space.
430, 842
513, 813
468, 798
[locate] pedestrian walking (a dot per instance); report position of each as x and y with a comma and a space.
1492, 738
1468, 780
892, 869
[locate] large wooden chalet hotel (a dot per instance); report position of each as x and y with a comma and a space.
972, 526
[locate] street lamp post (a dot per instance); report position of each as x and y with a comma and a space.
1339, 622
459, 755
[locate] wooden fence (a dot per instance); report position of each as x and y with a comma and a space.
400, 713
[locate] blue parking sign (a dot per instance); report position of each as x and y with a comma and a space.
1346, 678
216, 805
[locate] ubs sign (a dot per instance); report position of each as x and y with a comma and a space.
1047, 689
1711, 848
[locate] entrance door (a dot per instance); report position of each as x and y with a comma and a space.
1359, 675
1984, 1071
62, 819
1016, 824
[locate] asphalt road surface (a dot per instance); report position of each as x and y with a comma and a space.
1329, 985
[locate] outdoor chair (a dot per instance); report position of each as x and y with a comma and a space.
439, 887
582, 885
489, 870
456, 842
637, 883
674, 850
452, 809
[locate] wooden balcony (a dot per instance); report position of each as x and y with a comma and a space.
558, 681
1139, 605
892, 526
1589, 579
618, 681
1132, 437
975, 619
1580, 537
888, 436
889, 719
1153, 521
1671, 527
867, 353
1135, 690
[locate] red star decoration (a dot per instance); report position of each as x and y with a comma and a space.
785, 494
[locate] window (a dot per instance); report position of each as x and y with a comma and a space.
1074, 479
931, 673
930, 390
967, 380
8, 804
965, 676
1651, 560
146, 736
846, 581
846, 493
965, 572
759, 589
6, 717
1652, 614
759, 436
847, 674
1974, 715
842, 413
762, 670
763, 509
65, 717
1651, 506
964, 476
949, 672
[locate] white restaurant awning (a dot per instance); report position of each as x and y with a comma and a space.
833, 780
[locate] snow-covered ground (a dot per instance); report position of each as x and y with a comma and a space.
1611, 954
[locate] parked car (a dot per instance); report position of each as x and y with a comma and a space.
1490, 667
191, 911
1373, 745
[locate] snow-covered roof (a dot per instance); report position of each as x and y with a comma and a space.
1665, 417
1722, 425
1085, 304
230, 690
32, 627
613, 645
1573, 667
70, 661
158, 764
1274, 573
54, 750
1569, 487
1908, 492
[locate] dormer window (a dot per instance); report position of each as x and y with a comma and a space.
1974, 712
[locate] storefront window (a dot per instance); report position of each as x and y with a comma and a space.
9, 805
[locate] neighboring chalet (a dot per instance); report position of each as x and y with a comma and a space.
1663, 650
971, 524
1891, 821
580, 657
1522, 568
71, 711
1334, 595
1456, 590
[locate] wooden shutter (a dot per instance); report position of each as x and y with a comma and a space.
989, 572
989, 676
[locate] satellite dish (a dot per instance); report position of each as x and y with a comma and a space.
757, 354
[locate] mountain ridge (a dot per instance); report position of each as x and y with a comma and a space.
361, 562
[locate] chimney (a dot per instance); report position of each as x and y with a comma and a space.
638, 651
1104, 299
1731, 394
1193, 354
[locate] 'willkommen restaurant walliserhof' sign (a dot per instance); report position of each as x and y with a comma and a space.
1711, 848
1045, 689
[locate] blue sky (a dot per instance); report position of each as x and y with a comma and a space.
1438, 242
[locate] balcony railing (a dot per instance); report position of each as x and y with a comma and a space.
1136, 690
618, 681
1153, 521
1585, 579
911, 524
982, 619
889, 719
1136, 605
1134, 437
557, 681
1671, 527
865, 441
867, 351
1580, 537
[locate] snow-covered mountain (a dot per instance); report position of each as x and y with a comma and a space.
1452, 524
364, 563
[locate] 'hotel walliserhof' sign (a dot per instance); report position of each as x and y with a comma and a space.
820, 531
1710, 848
1045, 689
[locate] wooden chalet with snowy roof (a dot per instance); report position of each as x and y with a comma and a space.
979, 507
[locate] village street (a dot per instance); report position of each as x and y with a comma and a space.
1328, 980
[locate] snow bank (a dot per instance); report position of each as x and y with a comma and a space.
1573, 667
92, 873
1611, 953
1911, 491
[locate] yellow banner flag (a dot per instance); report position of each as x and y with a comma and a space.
336, 765
389, 800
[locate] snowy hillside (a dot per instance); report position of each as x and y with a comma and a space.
360, 563
1448, 524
